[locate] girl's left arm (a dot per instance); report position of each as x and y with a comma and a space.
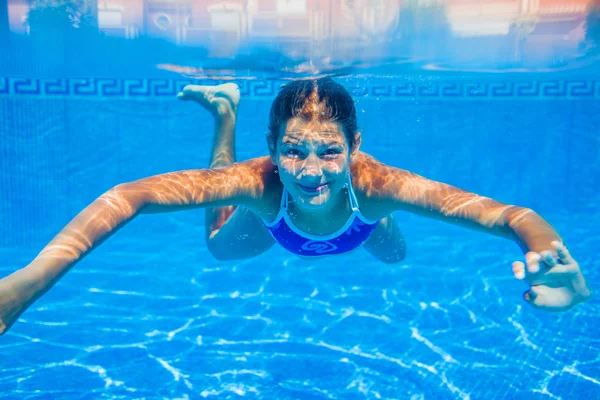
549, 268
407, 191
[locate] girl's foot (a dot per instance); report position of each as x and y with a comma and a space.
218, 100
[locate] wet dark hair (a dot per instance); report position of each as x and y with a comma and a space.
318, 99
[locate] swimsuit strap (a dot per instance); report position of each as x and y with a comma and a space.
283, 205
351, 195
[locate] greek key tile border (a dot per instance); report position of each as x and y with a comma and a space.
165, 88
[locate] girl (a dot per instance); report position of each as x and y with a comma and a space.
315, 194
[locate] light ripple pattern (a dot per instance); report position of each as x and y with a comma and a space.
151, 314
279, 327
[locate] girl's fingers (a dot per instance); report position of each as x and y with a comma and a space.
533, 262
560, 269
563, 252
518, 270
553, 265
549, 258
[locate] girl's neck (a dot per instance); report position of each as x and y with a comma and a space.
326, 218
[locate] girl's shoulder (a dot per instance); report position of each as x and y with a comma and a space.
260, 164
370, 182
265, 172
370, 174
266, 183
260, 170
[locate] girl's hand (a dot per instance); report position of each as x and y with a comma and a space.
556, 282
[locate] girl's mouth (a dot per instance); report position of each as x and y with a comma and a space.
313, 189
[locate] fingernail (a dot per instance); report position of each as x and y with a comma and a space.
530, 295
520, 275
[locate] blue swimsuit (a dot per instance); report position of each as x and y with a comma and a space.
354, 232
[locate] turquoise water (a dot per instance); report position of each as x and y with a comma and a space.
151, 315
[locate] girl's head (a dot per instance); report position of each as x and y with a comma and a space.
312, 139
321, 99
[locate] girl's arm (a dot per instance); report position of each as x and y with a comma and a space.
240, 183
391, 189
555, 279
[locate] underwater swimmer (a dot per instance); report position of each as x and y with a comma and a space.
315, 194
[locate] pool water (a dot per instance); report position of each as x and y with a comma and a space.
150, 314
498, 99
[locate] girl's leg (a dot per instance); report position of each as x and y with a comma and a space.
231, 232
386, 242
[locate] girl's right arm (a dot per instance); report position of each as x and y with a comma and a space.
241, 184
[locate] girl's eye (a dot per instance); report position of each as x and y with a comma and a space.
331, 153
292, 152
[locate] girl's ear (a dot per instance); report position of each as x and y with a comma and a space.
355, 146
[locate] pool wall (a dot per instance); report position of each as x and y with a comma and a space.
529, 140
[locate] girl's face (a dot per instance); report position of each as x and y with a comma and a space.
313, 158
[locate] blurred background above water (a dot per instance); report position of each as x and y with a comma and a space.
257, 38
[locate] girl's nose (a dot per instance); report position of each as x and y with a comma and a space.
311, 166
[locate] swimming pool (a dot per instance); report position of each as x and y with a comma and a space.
150, 314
